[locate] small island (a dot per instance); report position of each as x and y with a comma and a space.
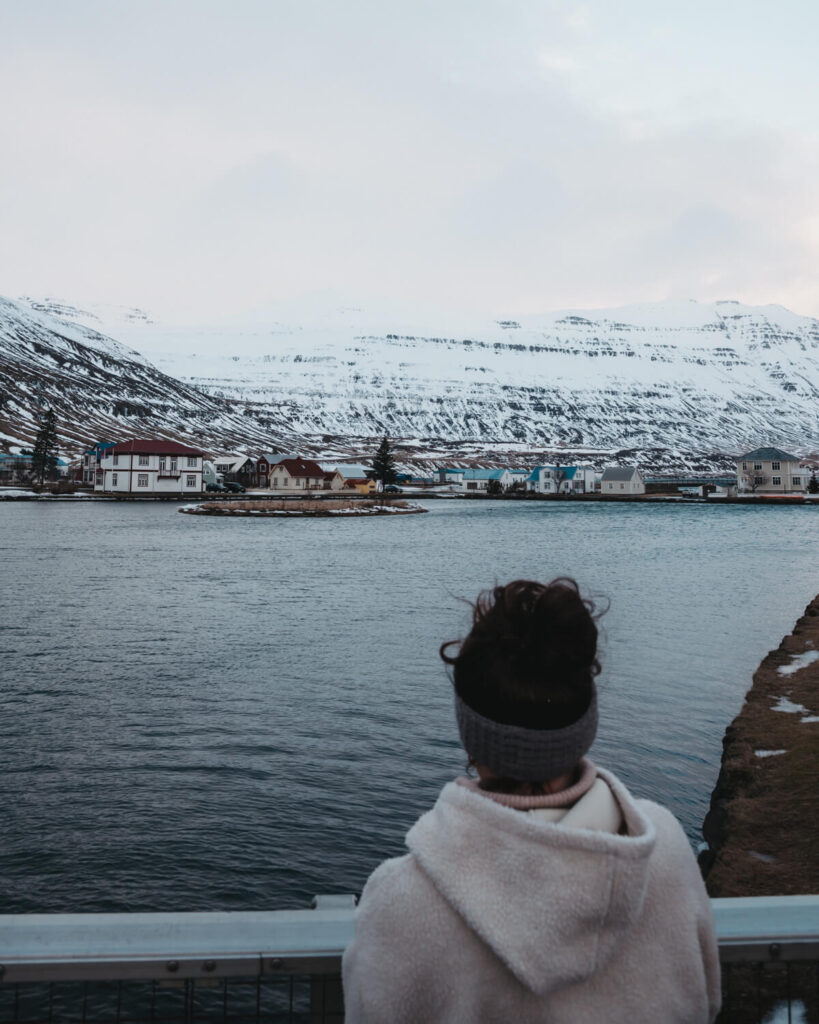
315, 508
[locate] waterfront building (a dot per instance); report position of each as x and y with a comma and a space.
149, 467
92, 462
771, 471
265, 464
622, 480
296, 475
239, 469
562, 480
469, 479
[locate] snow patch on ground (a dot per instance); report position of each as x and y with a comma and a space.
798, 661
788, 706
769, 753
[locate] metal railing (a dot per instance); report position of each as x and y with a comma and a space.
286, 964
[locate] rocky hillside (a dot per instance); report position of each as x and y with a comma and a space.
101, 389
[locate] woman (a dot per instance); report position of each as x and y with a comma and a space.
542, 891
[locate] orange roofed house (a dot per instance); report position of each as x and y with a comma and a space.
150, 467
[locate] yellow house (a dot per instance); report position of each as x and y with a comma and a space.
362, 484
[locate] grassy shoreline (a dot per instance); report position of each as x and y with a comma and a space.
763, 824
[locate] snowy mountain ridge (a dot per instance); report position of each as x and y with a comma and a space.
671, 384
689, 376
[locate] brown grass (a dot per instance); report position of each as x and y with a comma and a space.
769, 806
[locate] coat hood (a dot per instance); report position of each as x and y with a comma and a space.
552, 902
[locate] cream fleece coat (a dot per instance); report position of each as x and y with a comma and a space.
497, 915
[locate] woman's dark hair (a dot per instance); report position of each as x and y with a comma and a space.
531, 656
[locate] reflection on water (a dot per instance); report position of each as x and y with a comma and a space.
209, 714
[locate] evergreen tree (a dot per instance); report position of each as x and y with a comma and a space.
384, 463
813, 484
44, 454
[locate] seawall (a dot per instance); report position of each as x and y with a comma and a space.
762, 828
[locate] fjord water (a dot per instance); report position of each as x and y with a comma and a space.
203, 714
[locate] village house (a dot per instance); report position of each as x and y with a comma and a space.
354, 478
264, 465
622, 480
91, 462
333, 480
562, 480
240, 469
469, 479
772, 471
150, 467
296, 475
15, 468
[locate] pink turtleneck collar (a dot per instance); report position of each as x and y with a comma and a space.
565, 798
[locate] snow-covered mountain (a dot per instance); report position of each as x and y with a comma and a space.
99, 388
685, 376
681, 383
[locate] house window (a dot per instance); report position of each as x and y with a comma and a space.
759, 479
116, 460
757, 465
774, 465
144, 460
190, 480
744, 465
142, 480
796, 481
777, 480
622, 487
114, 479
191, 462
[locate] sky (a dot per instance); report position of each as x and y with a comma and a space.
202, 160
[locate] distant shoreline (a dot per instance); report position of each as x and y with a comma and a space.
431, 495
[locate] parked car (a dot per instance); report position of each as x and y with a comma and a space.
219, 488
232, 485
392, 489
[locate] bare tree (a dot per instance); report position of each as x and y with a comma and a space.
753, 478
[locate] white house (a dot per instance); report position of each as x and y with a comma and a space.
150, 467
562, 480
297, 475
622, 480
771, 471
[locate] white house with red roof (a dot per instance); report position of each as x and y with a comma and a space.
297, 475
150, 468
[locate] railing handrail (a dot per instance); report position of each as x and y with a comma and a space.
131, 946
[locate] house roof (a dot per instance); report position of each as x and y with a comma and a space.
302, 467
352, 471
769, 455
568, 472
274, 458
470, 473
153, 447
619, 473
99, 447
233, 462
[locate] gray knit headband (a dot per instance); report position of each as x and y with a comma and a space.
531, 755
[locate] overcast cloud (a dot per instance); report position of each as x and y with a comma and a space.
201, 159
